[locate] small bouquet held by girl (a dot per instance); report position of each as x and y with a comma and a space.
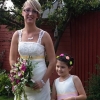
20, 75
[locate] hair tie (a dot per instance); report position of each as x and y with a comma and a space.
57, 57
70, 63
67, 57
61, 54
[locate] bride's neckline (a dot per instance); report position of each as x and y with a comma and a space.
31, 38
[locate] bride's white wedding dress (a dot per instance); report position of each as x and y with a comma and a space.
36, 51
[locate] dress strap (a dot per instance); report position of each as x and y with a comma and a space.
40, 36
20, 34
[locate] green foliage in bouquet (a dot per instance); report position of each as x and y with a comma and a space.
93, 88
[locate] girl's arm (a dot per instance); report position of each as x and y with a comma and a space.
80, 89
53, 93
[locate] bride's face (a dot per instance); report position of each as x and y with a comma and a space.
29, 13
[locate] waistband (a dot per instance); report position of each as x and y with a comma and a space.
32, 57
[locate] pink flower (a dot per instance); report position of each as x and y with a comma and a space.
15, 69
12, 88
11, 74
24, 61
12, 78
61, 54
19, 74
23, 67
17, 81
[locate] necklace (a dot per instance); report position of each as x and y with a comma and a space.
31, 38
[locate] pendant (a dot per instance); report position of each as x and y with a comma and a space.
30, 38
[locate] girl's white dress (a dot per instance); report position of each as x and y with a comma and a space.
65, 89
36, 51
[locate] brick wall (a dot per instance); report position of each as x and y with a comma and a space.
5, 38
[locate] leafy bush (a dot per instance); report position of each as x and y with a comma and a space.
5, 84
4, 97
93, 88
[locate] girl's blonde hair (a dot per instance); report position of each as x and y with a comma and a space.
35, 4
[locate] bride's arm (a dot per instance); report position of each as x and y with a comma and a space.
13, 49
48, 44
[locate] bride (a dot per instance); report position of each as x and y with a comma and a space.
34, 42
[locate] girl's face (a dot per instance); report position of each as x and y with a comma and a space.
30, 15
62, 69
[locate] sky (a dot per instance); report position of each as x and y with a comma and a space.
9, 4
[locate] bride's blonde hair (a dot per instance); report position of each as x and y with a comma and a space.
35, 4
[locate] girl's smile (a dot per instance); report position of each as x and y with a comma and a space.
62, 69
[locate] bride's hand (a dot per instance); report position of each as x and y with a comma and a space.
38, 85
27, 85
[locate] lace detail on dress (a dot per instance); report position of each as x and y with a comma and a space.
40, 36
31, 48
20, 35
39, 39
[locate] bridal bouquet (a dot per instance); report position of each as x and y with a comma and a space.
20, 75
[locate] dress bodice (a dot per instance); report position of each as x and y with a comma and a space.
66, 88
31, 48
